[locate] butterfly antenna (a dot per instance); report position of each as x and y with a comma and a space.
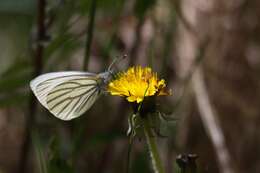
118, 59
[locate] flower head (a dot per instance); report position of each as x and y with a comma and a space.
137, 83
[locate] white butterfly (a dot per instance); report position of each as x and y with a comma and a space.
68, 95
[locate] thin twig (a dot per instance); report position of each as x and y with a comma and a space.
38, 59
89, 36
211, 122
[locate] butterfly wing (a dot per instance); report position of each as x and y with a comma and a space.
67, 95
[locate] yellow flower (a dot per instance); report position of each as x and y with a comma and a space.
137, 83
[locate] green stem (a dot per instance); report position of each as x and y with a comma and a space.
129, 156
150, 139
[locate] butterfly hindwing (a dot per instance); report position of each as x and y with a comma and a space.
72, 98
67, 95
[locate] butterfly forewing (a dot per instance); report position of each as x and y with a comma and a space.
66, 94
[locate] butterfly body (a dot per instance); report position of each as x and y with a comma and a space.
68, 95
104, 78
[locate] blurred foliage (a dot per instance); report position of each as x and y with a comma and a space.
151, 33
145, 30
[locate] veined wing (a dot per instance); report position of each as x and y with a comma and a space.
66, 94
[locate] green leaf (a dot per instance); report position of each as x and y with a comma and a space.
18, 6
141, 7
140, 163
59, 158
12, 80
13, 99
17, 67
39, 150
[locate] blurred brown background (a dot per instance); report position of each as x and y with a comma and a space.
207, 50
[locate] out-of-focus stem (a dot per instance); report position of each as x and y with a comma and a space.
211, 122
90, 29
38, 59
151, 142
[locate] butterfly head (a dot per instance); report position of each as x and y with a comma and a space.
105, 77
110, 73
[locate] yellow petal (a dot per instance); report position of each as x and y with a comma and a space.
137, 83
